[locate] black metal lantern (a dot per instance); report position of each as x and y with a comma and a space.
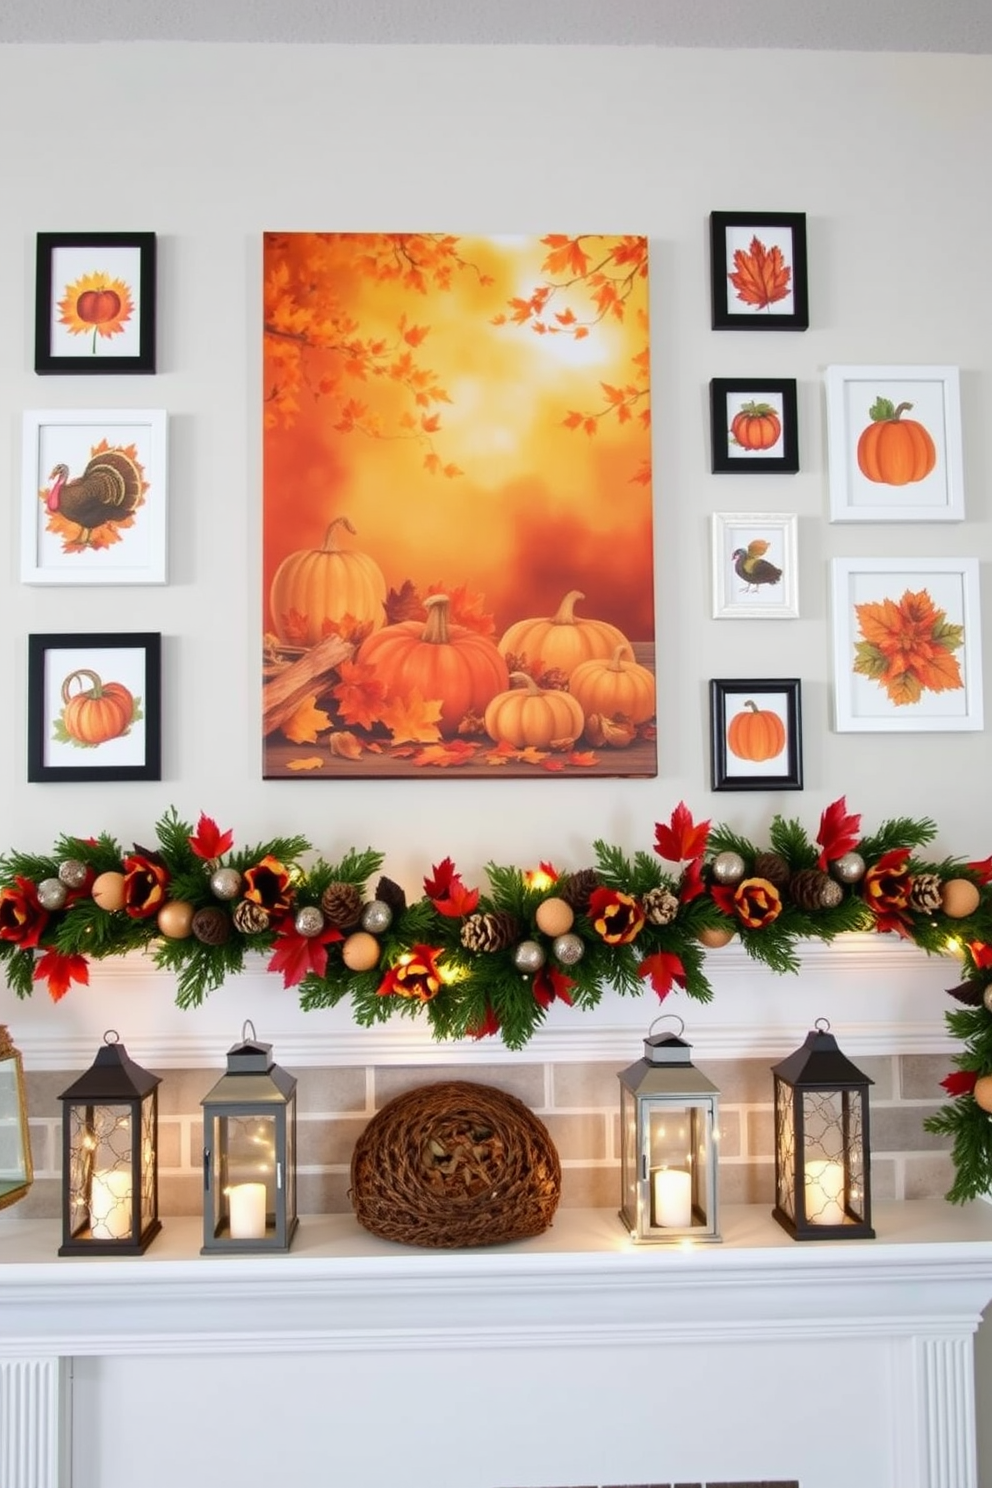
110, 1156
249, 1153
822, 1156
668, 1145
16, 1171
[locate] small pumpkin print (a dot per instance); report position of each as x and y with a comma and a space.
94, 711
534, 717
756, 427
620, 686
892, 450
315, 589
755, 734
562, 640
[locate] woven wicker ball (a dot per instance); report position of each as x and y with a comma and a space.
454, 1165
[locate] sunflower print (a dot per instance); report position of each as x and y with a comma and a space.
96, 305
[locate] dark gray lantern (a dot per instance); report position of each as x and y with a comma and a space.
15, 1148
668, 1145
249, 1153
822, 1156
110, 1156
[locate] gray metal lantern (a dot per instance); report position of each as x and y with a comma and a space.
110, 1156
16, 1171
249, 1153
822, 1156
668, 1145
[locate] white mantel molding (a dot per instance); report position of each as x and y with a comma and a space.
880, 994
896, 1314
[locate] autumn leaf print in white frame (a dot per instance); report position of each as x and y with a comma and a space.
907, 642
93, 501
894, 444
755, 566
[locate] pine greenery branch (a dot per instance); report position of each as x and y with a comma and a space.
646, 874
901, 831
368, 1006
508, 889
27, 865
354, 868
971, 1130
790, 839
286, 850
103, 855
18, 970
724, 839
206, 971
612, 865
173, 837
773, 947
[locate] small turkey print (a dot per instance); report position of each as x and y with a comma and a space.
94, 497
754, 566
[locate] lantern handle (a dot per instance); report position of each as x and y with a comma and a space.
111, 1036
822, 1025
675, 1016
244, 1031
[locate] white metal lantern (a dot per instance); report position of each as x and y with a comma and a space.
668, 1145
15, 1148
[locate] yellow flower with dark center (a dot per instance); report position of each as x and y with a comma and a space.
618, 918
97, 303
268, 884
417, 976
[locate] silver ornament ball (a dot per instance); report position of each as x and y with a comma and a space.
529, 956
309, 921
568, 949
377, 916
848, 868
225, 883
73, 873
52, 893
831, 894
728, 867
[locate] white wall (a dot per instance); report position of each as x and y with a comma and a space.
210, 145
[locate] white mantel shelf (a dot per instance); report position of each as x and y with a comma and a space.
758, 1335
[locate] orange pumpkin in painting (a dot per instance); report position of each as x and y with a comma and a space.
756, 734
533, 717
756, 427
562, 640
314, 589
93, 715
443, 662
618, 686
892, 450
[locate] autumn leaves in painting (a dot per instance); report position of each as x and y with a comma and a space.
457, 455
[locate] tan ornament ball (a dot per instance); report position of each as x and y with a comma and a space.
360, 951
959, 898
175, 919
983, 1092
108, 891
554, 916
715, 937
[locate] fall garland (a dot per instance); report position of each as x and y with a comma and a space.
485, 962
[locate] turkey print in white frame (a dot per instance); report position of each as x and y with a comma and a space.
755, 563
93, 503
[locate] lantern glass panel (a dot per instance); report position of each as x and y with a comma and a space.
149, 1165
785, 1146
833, 1157
245, 1147
676, 1153
629, 1155
290, 1175
14, 1166
100, 1171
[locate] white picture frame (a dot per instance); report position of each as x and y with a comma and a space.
862, 448
942, 596
772, 538
62, 540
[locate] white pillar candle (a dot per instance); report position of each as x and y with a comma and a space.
247, 1205
824, 1192
673, 1199
110, 1204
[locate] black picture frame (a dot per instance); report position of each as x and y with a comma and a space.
732, 232
86, 249
729, 398
58, 753
781, 696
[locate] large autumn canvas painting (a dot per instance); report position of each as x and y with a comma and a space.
458, 546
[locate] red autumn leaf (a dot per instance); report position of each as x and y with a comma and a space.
208, 841
692, 881
723, 897
549, 870
550, 985
664, 970
838, 833
459, 901
438, 886
981, 954
682, 838
982, 870
761, 275
960, 1082
296, 955
61, 971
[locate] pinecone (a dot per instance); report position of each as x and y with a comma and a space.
925, 895
660, 906
493, 931
251, 919
576, 888
812, 889
342, 905
773, 866
212, 925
